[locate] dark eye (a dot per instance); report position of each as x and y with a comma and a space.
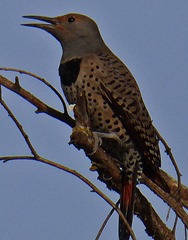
71, 19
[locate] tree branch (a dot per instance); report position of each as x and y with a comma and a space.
169, 153
155, 227
41, 106
41, 80
170, 199
78, 175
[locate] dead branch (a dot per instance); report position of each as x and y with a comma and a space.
170, 199
19, 126
174, 187
41, 80
74, 173
155, 227
41, 106
105, 222
169, 153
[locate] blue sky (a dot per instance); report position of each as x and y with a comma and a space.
40, 202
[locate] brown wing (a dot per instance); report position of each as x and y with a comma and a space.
123, 95
141, 131
125, 99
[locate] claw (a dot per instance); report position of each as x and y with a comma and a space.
98, 136
98, 143
109, 136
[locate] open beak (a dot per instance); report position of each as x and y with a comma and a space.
47, 27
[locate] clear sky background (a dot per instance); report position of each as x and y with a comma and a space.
40, 202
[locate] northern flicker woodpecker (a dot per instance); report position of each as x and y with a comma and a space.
114, 101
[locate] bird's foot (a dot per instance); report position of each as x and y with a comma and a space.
112, 135
97, 143
98, 136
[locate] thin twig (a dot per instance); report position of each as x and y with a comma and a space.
185, 232
105, 222
9, 158
41, 80
19, 126
175, 224
41, 106
78, 175
169, 153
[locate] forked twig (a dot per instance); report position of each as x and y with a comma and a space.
19, 126
41, 106
41, 80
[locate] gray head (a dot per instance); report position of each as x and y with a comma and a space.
77, 34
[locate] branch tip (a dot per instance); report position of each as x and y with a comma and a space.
38, 111
17, 83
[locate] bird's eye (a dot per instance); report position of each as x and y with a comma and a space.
71, 19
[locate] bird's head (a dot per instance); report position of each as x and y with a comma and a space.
77, 34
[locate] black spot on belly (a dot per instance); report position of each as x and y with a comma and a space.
69, 71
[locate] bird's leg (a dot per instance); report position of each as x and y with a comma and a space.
111, 135
98, 136
97, 141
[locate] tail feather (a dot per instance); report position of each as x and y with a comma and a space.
126, 205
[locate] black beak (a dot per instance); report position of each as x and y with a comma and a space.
48, 27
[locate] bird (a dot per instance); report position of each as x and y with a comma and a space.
115, 104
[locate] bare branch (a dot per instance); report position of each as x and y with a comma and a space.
9, 158
78, 175
19, 126
168, 198
155, 227
41, 80
41, 106
105, 222
169, 153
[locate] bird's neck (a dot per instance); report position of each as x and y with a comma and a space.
80, 49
